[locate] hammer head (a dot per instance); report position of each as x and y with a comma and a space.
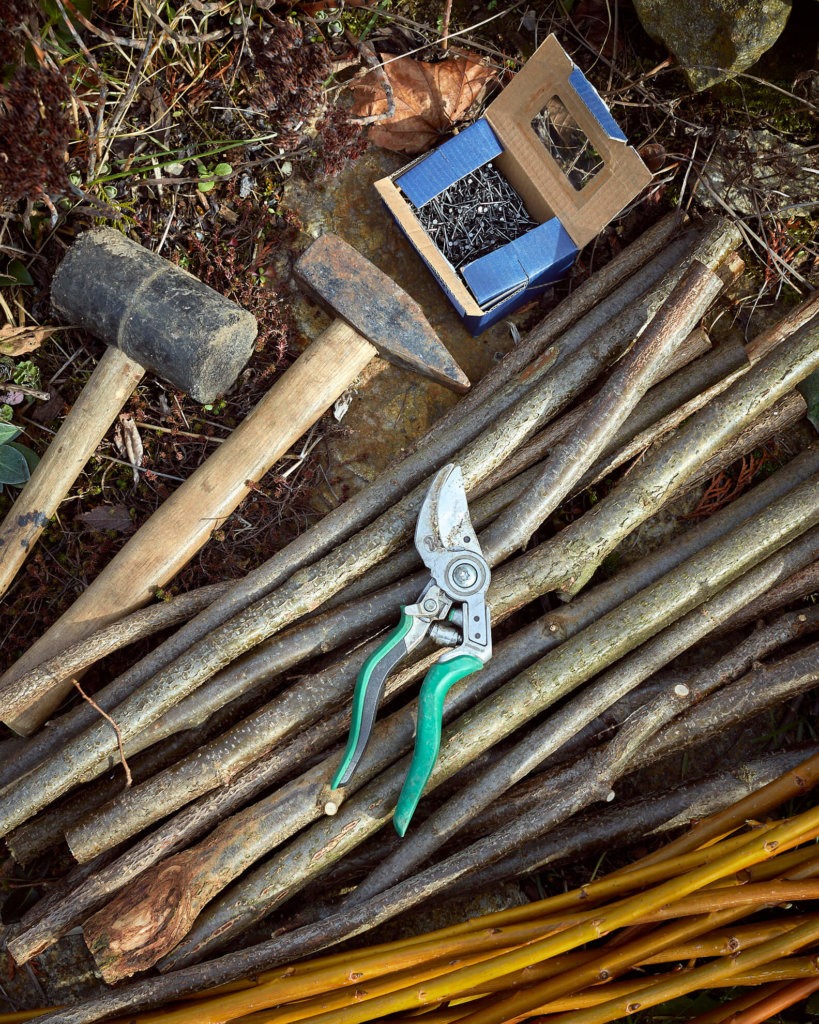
352, 288
158, 314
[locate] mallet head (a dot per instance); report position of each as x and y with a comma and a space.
159, 315
352, 288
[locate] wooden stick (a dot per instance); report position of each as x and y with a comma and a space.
485, 505
88, 754
627, 674
219, 761
632, 377
505, 384
686, 382
798, 586
531, 643
136, 626
619, 823
309, 854
766, 1007
738, 660
574, 785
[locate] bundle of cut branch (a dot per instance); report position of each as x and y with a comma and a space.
695, 913
232, 760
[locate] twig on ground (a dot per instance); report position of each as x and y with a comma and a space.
114, 726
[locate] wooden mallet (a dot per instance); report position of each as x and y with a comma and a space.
374, 316
153, 316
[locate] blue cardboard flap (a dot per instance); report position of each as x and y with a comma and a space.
595, 105
472, 148
542, 254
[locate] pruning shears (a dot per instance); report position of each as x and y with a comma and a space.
452, 611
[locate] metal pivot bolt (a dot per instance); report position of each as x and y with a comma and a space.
465, 575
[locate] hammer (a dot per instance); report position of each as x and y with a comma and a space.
153, 316
373, 316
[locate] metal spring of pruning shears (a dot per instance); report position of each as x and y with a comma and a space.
452, 611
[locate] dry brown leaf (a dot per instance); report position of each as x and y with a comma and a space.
15, 341
429, 99
107, 517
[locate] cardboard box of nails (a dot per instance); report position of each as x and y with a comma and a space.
501, 210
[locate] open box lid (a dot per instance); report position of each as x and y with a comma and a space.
533, 170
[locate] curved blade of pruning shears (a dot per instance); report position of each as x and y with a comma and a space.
443, 523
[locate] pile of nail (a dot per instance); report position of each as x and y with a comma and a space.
474, 216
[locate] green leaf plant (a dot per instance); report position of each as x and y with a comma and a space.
16, 460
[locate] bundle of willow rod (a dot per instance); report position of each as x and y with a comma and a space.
684, 918
243, 788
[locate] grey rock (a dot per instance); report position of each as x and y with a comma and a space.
713, 40
759, 172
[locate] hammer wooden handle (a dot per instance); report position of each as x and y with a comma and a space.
183, 523
107, 390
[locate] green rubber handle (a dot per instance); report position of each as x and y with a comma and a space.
368, 688
434, 689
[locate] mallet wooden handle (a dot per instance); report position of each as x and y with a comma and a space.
107, 390
179, 528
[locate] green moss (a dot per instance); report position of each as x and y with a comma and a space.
768, 106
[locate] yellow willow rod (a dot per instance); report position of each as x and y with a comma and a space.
760, 847
751, 998
306, 1010
785, 970
310, 977
325, 999
805, 859
720, 972
574, 971
763, 1010
282, 989
796, 782
755, 894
